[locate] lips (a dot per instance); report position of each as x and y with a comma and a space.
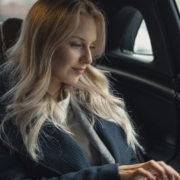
79, 70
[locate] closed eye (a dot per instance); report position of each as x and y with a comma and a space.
76, 45
92, 47
79, 45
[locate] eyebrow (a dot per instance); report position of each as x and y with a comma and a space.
82, 38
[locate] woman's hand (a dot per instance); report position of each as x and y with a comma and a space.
149, 170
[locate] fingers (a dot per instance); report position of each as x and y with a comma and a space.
141, 173
157, 170
149, 170
170, 172
162, 170
128, 172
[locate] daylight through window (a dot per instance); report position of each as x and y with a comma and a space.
14, 8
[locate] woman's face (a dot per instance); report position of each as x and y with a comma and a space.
71, 59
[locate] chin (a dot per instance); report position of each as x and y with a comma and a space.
72, 82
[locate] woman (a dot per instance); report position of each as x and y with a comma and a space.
58, 119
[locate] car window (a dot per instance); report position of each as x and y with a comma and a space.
142, 43
136, 42
14, 8
178, 4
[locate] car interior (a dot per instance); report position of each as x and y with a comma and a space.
147, 78
143, 57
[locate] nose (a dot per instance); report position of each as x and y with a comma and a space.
87, 56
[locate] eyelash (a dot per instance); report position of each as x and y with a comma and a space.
92, 47
78, 46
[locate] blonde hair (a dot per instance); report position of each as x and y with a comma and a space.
48, 24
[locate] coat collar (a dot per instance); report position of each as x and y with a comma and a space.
94, 138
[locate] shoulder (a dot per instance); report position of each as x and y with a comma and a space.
4, 79
115, 140
3, 75
111, 131
110, 127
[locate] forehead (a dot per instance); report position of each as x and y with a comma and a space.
86, 28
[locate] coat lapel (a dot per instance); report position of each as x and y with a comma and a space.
94, 138
60, 151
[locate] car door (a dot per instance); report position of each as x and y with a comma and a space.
143, 56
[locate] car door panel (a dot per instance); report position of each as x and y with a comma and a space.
149, 88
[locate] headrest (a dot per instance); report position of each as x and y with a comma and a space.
9, 33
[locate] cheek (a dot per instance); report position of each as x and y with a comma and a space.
60, 65
67, 57
59, 59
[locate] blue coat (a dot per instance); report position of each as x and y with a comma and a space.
63, 158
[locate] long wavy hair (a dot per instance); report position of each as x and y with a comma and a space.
48, 24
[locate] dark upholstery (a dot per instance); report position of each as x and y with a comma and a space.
10, 30
1, 43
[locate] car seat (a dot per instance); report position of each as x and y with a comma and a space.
9, 33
